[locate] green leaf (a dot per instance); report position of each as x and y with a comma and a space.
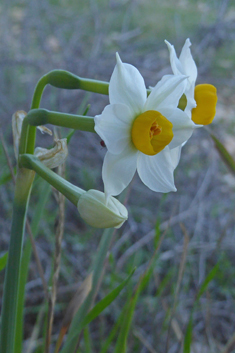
188, 335
3, 261
114, 330
98, 266
202, 289
224, 154
87, 340
104, 303
207, 280
125, 328
5, 178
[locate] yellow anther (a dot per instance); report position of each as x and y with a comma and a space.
151, 132
206, 99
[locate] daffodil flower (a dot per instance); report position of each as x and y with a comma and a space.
142, 133
201, 100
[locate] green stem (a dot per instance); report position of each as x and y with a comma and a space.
24, 181
60, 79
30, 135
44, 192
42, 116
38, 117
70, 191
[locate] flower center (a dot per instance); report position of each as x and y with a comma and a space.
206, 99
154, 130
151, 132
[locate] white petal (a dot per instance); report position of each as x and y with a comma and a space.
118, 170
183, 126
176, 65
167, 92
175, 155
127, 87
188, 64
191, 103
114, 127
156, 172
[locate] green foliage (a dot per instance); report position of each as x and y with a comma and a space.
225, 155
3, 261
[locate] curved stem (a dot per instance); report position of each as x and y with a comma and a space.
42, 116
71, 192
30, 135
38, 117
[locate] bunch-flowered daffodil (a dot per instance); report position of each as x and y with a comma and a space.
142, 133
201, 99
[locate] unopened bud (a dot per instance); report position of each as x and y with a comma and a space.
55, 156
94, 210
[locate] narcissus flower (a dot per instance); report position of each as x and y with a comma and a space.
142, 133
98, 213
202, 99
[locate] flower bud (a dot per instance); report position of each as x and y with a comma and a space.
55, 156
94, 210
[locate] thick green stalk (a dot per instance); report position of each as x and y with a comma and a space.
71, 192
42, 116
60, 79
38, 117
31, 131
24, 181
45, 190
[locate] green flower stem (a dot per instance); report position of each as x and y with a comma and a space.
70, 191
60, 79
42, 116
24, 181
38, 117
30, 134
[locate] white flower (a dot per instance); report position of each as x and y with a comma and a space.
201, 100
94, 210
140, 132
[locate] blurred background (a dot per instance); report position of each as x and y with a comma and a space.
82, 37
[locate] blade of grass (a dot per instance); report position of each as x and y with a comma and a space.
224, 154
188, 335
114, 330
87, 340
76, 326
189, 330
3, 261
125, 328
179, 280
76, 302
105, 302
